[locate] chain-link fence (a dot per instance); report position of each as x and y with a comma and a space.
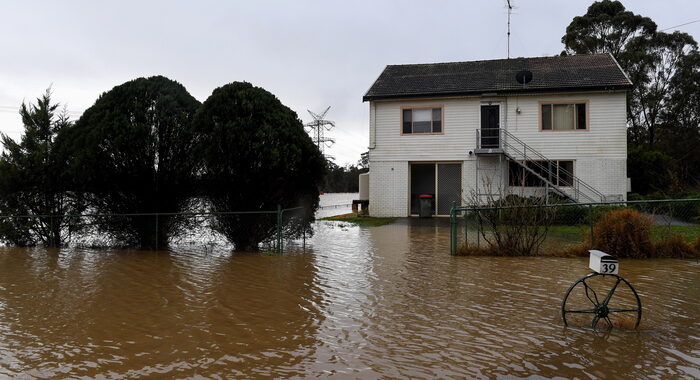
252, 230
558, 226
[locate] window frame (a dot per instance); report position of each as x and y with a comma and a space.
442, 119
558, 179
552, 103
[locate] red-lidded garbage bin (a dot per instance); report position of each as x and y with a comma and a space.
426, 205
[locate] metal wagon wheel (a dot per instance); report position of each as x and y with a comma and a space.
619, 304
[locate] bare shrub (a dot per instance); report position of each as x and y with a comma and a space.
513, 225
624, 233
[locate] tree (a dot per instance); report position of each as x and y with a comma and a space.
340, 179
679, 134
255, 156
654, 64
33, 180
605, 28
131, 153
649, 170
661, 67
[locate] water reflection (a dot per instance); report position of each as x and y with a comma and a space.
131, 314
359, 302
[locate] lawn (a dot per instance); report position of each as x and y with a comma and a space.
576, 233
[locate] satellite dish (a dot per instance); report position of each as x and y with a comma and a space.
523, 76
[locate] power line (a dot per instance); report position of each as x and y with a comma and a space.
684, 24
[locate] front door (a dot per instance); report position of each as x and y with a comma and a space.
490, 124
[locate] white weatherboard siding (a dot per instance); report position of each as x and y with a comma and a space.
607, 137
453, 145
599, 154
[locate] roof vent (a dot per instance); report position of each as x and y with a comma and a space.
523, 76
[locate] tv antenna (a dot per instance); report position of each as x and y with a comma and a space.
510, 10
318, 127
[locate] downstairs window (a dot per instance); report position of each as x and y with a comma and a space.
559, 173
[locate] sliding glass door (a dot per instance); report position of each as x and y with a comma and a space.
441, 181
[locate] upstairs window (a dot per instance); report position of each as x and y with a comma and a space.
421, 120
564, 116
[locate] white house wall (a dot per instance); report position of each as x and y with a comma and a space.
599, 153
388, 188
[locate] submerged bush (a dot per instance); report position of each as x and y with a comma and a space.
624, 233
674, 246
696, 245
474, 250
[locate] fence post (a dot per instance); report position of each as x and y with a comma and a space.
590, 222
466, 229
279, 229
453, 230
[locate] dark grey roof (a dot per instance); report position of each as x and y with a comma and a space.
574, 72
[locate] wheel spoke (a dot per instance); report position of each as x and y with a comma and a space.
616, 310
612, 290
610, 324
595, 322
588, 311
595, 303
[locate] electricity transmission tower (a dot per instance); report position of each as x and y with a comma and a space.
318, 127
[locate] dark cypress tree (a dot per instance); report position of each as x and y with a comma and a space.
255, 156
131, 152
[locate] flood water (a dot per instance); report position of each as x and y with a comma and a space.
378, 302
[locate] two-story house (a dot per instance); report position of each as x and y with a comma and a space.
466, 131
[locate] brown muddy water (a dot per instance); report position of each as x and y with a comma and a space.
379, 302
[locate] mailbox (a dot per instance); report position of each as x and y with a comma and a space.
603, 263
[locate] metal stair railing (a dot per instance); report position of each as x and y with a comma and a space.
579, 187
517, 150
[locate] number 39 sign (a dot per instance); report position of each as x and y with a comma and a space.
603, 263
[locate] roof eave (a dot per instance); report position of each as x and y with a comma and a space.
625, 87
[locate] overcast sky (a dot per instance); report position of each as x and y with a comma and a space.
311, 54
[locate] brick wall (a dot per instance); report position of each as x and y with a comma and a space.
388, 188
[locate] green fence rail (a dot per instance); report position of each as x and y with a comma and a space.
572, 223
41, 224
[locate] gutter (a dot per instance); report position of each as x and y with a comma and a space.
497, 92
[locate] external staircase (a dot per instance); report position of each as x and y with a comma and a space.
497, 142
